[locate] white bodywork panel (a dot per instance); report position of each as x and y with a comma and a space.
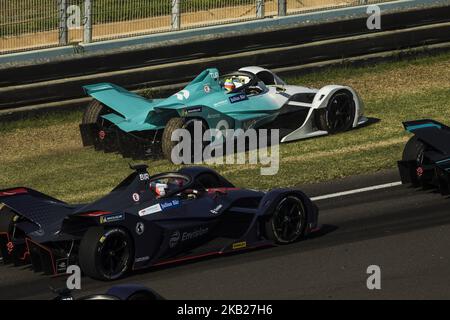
322, 96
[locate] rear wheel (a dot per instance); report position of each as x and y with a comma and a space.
181, 123
93, 112
339, 114
288, 221
91, 122
414, 151
105, 254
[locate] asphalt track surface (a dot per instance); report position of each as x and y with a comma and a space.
405, 231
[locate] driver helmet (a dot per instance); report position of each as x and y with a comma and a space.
229, 85
240, 81
160, 188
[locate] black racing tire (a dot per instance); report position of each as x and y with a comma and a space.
287, 223
93, 112
414, 150
105, 254
174, 124
339, 114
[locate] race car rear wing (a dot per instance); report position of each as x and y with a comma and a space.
432, 133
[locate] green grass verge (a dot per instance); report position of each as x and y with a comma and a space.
45, 152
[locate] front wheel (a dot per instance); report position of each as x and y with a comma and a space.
288, 221
339, 114
105, 254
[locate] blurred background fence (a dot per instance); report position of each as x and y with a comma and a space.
33, 24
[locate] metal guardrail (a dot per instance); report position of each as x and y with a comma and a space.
56, 84
33, 24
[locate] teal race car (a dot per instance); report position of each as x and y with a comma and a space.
121, 121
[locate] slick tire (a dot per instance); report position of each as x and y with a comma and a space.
174, 124
287, 224
414, 150
106, 254
93, 112
339, 114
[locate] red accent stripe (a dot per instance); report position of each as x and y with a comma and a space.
25, 255
208, 254
13, 192
95, 213
188, 258
221, 190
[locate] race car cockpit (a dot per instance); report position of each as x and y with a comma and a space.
242, 82
168, 184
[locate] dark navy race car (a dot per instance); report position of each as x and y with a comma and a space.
426, 157
148, 221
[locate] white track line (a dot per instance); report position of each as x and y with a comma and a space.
346, 193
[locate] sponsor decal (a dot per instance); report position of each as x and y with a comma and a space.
183, 95
419, 172
61, 265
150, 210
239, 245
238, 98
144, 176
159, 207
112, 218
216, 210
169, 204
136, 197
142, 259
177, 237
140, 228
10, 247
214, 75
102, 135
207, 88
191, 110
174, 239
194, 234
